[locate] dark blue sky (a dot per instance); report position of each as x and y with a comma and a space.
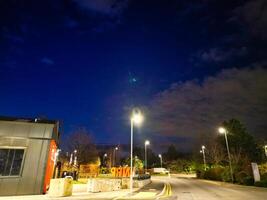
87, 62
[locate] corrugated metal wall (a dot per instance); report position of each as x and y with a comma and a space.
35, 137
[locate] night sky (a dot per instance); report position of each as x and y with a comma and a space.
188, 64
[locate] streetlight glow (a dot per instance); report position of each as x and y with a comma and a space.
137, 117
160, 157
222, 130
147, 142
203, 147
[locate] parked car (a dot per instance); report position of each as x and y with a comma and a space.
160, 171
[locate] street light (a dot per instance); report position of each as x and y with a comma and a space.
75, 158
224, 131
136, 118
104, 158
204, 156
114, 155
146, 143
160, 157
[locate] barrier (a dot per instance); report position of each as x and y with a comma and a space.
60, 187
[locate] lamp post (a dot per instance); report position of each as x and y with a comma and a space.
136, 118
146, 143
75, 158
104, 159
204, 156
160, 157
224, 131
114, 156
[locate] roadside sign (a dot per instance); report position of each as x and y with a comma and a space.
256, 173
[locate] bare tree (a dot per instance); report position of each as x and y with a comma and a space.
81, 141
216, 153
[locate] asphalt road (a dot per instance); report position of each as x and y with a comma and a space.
195, 189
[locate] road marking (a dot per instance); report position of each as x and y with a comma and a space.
166, 192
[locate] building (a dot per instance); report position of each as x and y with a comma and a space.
28, 152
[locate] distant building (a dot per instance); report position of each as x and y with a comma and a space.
27, 155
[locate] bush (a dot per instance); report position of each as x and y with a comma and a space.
263, 168
104, 170
249, 180
200, 173
244, 178
214, 173
262, 183
264, 176
226, 175
142, 177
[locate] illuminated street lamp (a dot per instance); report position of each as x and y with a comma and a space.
224, 131
136, 118
104, 158
75, 158
204, 156
160, 157
146, 144
114, 155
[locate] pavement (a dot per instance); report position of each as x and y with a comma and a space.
148, 192
184, 188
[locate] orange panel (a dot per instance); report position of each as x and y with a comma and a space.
50, 165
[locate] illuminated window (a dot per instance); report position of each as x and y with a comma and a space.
11, 161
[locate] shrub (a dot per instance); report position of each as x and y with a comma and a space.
263, 168
244, 178
249, 180
104, 170
262, 183
226, 176
142, 177
214, 173
200, 173
264, 176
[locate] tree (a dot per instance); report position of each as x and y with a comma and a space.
137, 163
215, 152
152, 159
171, 153
81, 141
241, 142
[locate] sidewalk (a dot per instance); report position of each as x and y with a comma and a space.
154, 190
75, 196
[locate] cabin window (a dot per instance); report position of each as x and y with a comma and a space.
11, 160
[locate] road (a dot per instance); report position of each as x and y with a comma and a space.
195, 189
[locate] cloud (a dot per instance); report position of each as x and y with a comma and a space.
47, 61
221, 55
192, 108
253, 15
105, 7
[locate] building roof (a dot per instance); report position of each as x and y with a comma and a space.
29, 120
